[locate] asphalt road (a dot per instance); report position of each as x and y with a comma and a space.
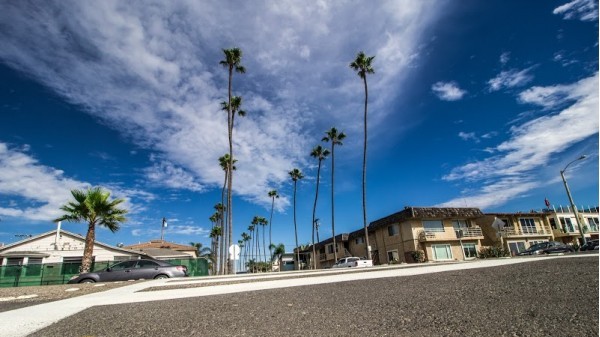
541, 298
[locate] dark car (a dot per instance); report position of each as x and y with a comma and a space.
547, 248
132, 270
590, 245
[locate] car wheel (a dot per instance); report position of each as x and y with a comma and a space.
161, 277
87, 280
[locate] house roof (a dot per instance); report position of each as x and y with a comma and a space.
161, 244
164, 253
64, 232
24, 254
426, 213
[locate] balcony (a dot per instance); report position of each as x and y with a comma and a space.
518, 232
468, 233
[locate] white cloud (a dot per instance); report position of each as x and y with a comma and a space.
45, 188
167, 174
173, 230
152, 73
504, 58
468, 136
509, 79
448, 91
531, 145
584, 10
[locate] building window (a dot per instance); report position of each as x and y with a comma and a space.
442, 252
470, 250
553, 223
360, 240
433, 225
460, 227
507, 223
567, 225
528, 225
71, 265
393, 230
330, 248
393, 256
34, 266
516, 247
593, 222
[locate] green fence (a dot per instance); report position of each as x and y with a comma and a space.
60, 273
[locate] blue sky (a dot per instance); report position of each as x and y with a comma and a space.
473, 103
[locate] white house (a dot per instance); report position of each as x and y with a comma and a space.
59, 246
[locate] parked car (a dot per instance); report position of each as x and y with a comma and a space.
547, 248
590, 245
352, 262
132, 270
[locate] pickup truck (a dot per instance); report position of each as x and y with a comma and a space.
352, 262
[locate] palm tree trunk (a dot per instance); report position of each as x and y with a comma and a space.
230, 169
332, 201
296, 231
88, 250
271, 226
264, 246
313, 217
364, 176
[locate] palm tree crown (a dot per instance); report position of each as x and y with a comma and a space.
94, 207
362, 64
233, 58
333, 136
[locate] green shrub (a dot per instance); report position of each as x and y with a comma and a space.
418, 256
494, 251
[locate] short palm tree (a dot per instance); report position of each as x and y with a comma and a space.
251, 237
241, 245
278, 251
94, 207
263, 223
319, 153
245, 238
273, 195
232, 61
296, 175
362, 65
335, 137
202, 251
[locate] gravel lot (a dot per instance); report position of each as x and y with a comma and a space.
541, 298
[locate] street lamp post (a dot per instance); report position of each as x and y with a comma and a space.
573, 207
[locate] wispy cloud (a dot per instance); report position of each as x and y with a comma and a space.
448, 91
509, 79
532, 144
584, 10
45, 188
468, 136
190, 230
504, 58
152, 73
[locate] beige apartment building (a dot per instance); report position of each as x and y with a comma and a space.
449, 234
441, 234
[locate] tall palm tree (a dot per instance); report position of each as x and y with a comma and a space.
215, 254
93, 207
251, 237
296, 175
232, 61
245, 238
320, 154
335, 137
273, 195
263, 223
362, 65
227, 164
241, 245
216, 232
256, 225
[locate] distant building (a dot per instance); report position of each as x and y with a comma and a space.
160, 249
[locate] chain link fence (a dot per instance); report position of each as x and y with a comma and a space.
60, 273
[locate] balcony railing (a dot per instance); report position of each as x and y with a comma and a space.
510, 231
467, 233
